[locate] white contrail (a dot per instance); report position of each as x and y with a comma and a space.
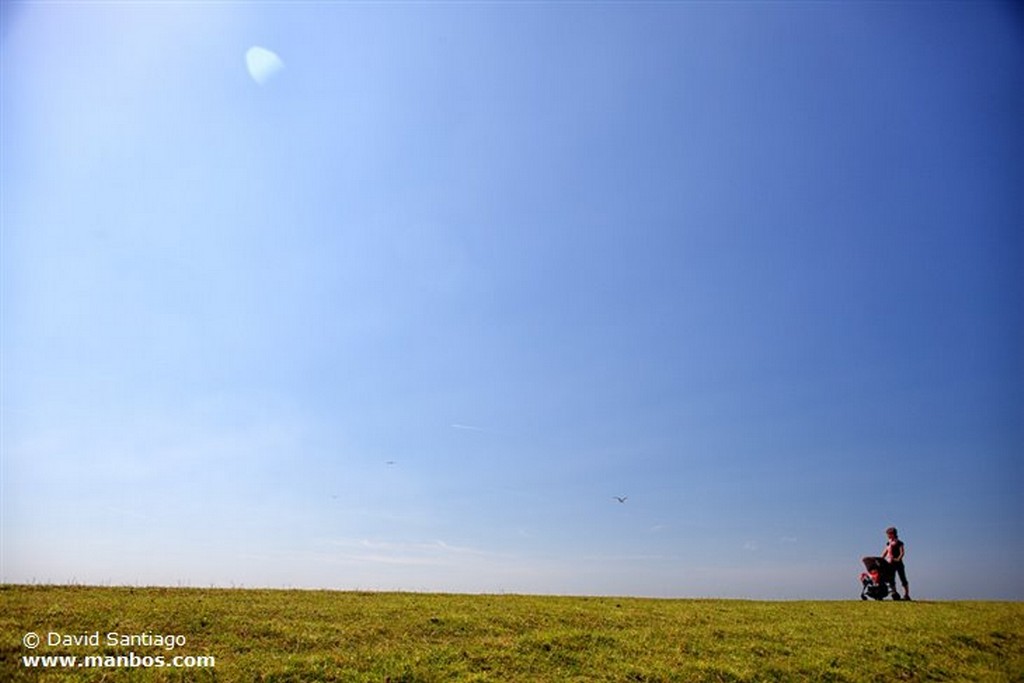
470, 428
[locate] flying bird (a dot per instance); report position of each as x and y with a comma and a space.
389, 462
621, 499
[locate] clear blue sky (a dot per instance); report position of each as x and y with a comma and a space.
758, 267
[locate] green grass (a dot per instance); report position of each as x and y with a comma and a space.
271, 635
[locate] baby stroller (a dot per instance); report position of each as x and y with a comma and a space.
879, 581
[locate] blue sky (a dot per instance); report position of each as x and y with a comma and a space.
757, 267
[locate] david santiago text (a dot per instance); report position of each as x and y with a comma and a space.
113, 639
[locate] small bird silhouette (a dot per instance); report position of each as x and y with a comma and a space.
621, 499
389, 462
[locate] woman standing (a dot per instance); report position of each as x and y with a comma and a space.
893, 554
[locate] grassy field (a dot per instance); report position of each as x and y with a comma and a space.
272, 635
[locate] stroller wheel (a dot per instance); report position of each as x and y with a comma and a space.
896, 597
863, 597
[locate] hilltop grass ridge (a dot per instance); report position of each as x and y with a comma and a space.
310, 635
